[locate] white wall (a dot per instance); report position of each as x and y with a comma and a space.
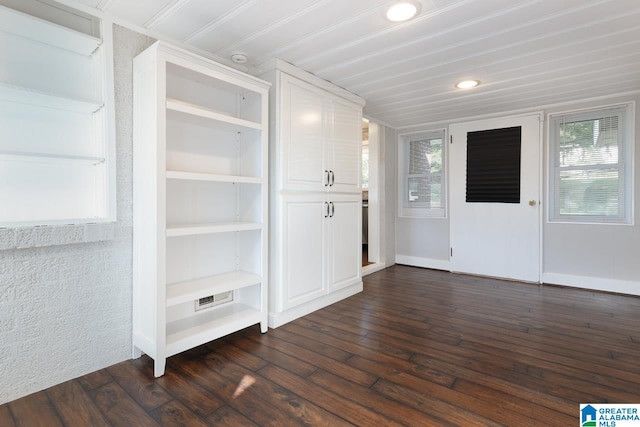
603, 257
65, 292
388, 195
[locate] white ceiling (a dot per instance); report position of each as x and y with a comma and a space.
527, 53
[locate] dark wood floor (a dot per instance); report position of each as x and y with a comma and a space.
417, 348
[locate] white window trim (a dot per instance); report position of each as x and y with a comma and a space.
628, 192
402, 166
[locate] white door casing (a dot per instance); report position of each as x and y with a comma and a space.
497, 239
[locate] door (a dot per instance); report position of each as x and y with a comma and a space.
304, 248
495, 197
344, 241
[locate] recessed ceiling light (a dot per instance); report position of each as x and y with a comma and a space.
467, 84
401, 11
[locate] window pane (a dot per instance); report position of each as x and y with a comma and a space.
425, 156
425, 191
589, 142
589, 192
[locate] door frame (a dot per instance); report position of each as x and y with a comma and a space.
542, 169
377, 199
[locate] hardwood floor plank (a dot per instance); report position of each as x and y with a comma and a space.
75, 406
199, 400
526, 407
270, 355
340, 369
119, 408
95, 379
175, 414
6, 419
350, 411
35, 410
226, 416
142, 387
306, 412
258, 409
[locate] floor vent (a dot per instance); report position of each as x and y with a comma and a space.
213, 300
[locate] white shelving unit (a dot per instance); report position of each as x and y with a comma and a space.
200, 201
56, 115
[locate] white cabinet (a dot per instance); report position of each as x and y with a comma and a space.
200, 202
321, 247
321, 141
316, 206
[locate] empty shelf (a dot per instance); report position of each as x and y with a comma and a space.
233, 123
192, 290
221, 227
198, 176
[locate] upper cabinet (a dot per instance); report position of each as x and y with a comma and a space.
320, 139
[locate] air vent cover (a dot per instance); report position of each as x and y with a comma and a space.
213, 300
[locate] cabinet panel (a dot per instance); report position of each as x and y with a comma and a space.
303, 117
304, 223
344, 148
345, 251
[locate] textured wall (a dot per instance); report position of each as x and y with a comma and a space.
65, 292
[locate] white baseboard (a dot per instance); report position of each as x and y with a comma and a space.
279, 319
372, 268
595, 283
436, 264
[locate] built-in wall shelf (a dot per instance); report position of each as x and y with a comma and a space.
41, 31
24, 95
223, 119
192, 290
198, 176
49, 157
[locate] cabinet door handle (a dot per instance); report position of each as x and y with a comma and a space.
333, 178
326, 178
326, 215
333, 209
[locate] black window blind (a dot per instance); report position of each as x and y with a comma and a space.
493, 165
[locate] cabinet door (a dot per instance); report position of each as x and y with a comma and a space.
345, 243
303, 135
303, 252
344, 147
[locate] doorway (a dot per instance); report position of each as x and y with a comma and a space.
495, 170
371, 197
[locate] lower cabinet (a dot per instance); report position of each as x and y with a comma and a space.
319, 254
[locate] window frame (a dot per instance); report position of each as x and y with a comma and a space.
403, 153
625, 166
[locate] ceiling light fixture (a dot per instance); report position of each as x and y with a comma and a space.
467, 84
239, 57
401, 11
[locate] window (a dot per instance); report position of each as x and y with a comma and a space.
590, 165
421, 182
56, 115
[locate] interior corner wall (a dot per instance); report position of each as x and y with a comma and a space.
65, 310
422, 242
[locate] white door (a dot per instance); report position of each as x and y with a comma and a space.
304, 248
497, 236
344, 241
